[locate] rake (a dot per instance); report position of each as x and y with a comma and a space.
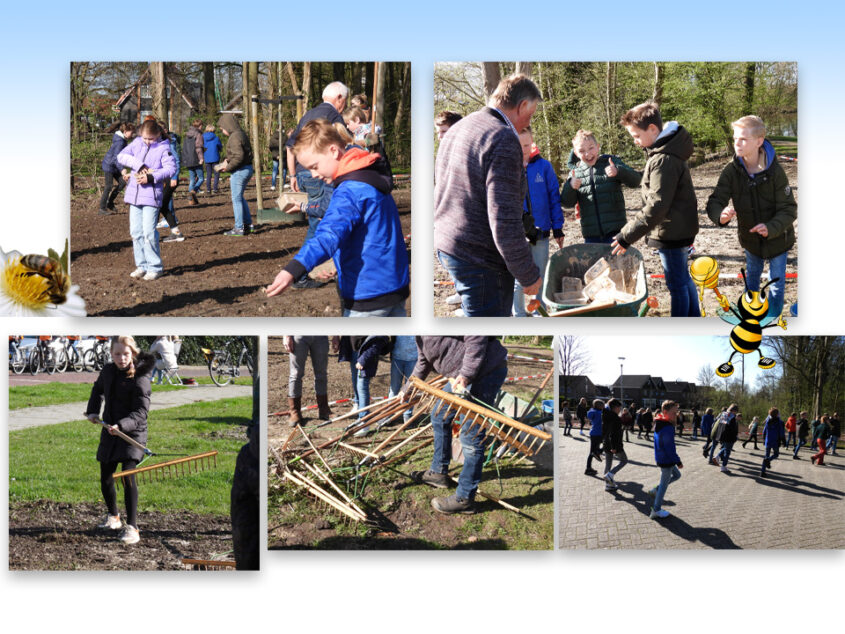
208, 564
163, 470
506, 430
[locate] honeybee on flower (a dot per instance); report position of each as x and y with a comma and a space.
37, 286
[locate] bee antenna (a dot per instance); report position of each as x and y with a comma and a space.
744, 279
769, 283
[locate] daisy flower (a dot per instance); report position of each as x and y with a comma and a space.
23, 294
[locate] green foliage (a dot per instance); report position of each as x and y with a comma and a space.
191, 352
57, 462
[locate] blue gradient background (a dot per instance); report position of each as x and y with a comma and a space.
557, 591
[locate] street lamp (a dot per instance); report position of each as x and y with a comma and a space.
622, 379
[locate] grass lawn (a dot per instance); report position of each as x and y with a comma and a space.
56, 393
57, 462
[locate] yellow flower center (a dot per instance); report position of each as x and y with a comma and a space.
24, 288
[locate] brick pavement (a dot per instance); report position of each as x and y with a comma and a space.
796, 506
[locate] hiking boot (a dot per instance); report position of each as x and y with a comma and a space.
590, 472
454, 300
137, 273
661, 514
105, 212
234, 232
432, 478
193, 202
307, 282
130, 535
324, 412
152, 275
112, 522
294, 415
453, 504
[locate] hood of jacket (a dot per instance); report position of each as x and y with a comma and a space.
674, 140
365, 167
771, 159
228, 122
144, 364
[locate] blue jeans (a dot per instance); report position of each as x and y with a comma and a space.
400, 370
397, 310
195, 178
540, 255
485, 389
319, 193
790, 435
774, 452
313, 223
238, 181
777, 269
484, 292
145, 246
667, 476
681, 287
275, 175
801, 443
725, 453
211, 176
831, 444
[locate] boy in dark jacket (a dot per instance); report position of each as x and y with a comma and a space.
665, 455
360, 230
112, 170
611, 435
803, 432
238, 162
670, 211
595, 185
763, 204
476, 367
727, 435
363, 353
773, 435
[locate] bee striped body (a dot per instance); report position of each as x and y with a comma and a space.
746, 337
58, 284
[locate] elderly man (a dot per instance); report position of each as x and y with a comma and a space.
319, 192
478, 229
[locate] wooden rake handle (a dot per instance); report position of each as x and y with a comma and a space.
124, 437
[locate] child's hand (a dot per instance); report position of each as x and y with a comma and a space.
280, 284
112, 430
727, 214
575, 182
359, 366
559, 242
617, 248
760, 229
534, 288
611, 170
174, 182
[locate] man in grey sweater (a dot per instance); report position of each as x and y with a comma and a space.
478, 196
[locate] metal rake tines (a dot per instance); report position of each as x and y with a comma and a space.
172, 468
208, 564
521, 438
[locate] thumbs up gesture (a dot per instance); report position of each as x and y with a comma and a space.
575, 182
611, 171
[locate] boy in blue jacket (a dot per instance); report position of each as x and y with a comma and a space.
594, 415
360, 230
542, 203
665, 455
773, 435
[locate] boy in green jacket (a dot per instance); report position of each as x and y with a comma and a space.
763, 204
670, 211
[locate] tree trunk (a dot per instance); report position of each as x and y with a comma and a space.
378, 106
339, 71
657, 93
748, 101
306, 86
245, 94
404, 97
545, 90
256, 125
159, 91
274, 92
208, 87
296, 91
492, 77
610, 104
524, 68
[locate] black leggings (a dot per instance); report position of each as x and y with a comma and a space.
130, 490
109, 192
164, 209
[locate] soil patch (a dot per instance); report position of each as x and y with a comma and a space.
208, 274
46, 535
719, 243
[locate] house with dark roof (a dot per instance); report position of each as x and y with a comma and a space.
643, 389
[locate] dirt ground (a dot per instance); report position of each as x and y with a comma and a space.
722, 244
407, 519
208, 274
46, 535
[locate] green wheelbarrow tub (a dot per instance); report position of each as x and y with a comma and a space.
574, 261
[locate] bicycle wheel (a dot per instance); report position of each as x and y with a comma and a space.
18, 361
76, 360
246, 360
89, 360
35, 361
220, 368
50, 362
61, 360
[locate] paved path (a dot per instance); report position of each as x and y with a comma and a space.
52, 414
89, 377
796, 506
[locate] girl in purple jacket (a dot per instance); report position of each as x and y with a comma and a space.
152, 163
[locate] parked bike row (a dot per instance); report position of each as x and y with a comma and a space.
49, 354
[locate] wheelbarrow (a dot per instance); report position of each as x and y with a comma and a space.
574, 261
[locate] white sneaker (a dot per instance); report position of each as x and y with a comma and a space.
454, 300
609, 477
137, 273
658, 514
459, 313
130, 535
362, 432
272, 188
112, 522
162, 224
724, 469
152, 275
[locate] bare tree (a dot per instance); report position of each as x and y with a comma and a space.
208, 87
492, 77
573, 358
404, 95
524, 67
657, 93
159, 91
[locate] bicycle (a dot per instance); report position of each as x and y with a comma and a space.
100, 355
70, 356
43, 357
18, 357
221, 366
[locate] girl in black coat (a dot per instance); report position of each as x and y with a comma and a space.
125, 384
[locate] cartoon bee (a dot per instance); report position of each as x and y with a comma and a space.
750, 318
58, 284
